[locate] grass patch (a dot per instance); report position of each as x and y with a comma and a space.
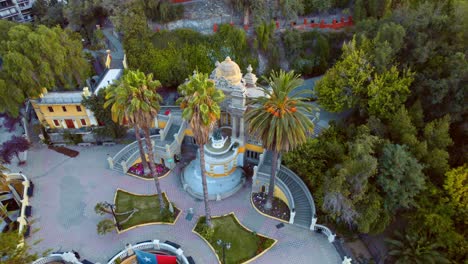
245, 244
148, 209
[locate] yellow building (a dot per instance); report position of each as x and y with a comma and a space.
64, 110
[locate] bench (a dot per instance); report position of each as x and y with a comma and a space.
28, 211
84, 144
30, 189
177, 246
108, 143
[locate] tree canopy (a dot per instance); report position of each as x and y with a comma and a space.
38, 58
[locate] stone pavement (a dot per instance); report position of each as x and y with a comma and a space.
66, 190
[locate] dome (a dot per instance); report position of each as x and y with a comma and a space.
230, 71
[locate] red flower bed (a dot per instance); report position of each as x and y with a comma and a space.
137, 169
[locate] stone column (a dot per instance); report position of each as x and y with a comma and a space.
293, 214
129, 249
64, 125
156, 244
124, 166
75, 123
241, 130
110, 160
312, 225
234, 127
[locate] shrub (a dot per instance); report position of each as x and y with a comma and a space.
73, 138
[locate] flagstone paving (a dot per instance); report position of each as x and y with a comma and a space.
67, 189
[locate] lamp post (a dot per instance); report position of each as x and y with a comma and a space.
225, 245
112, 207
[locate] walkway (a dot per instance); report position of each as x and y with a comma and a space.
66, 190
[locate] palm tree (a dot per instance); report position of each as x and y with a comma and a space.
200, 104
119, 116
136, 97
413, 248
278, 119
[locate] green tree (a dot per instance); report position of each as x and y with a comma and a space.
109, 128
13, 249
413, 248
289, 9
354, 82
436, 134
136, 98
119, 114
347, 185
105, 226
264, 33
456, 186
400, 177
38, 58
278, 119
200, 104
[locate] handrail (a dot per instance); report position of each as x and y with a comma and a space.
299, 181
48, 259
163, 132
264, 177
326, 231
149, 245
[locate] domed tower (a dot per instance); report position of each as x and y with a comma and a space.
224, 153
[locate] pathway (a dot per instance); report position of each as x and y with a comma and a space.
66, 190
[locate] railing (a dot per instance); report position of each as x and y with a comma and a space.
181, 132
148, 245
326, 231
48, 259
163, 132
24, 202
304, 188
265, 179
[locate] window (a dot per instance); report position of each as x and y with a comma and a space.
83, 122
64, 108
78, 108
51, 109
56, 123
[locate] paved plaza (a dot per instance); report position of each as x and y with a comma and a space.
67, 189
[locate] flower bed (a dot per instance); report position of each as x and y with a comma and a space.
279, 210
245, 244
137, 170
148, 209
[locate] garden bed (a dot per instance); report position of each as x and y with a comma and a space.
245, 244
65, 151
148, 210
279, 210
137, 170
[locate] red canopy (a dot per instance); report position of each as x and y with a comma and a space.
166, 259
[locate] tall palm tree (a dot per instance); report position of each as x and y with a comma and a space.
200, 104
136, 96
119, 116
411, 248
278, 119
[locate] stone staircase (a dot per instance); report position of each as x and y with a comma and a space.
293, 187
171, 143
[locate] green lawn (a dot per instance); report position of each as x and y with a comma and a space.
244, 244
148, 206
